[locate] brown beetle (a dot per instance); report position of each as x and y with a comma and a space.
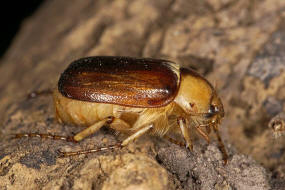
161, 97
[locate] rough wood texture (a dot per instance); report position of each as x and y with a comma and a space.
230, 41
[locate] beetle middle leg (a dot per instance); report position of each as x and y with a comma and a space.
112, 122
93, 128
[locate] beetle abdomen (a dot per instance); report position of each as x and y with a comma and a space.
121, 80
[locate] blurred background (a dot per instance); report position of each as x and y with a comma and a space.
13, 14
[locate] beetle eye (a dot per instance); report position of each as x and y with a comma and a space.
212, 110
216, 109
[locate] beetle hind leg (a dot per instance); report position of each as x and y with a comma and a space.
132, 137
111, 147
44, 136
78, 137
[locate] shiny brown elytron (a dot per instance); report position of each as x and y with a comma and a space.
162, 99
121, 80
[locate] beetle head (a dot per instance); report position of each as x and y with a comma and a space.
198, 98
216, 110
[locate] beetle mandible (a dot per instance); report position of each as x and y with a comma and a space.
162, 98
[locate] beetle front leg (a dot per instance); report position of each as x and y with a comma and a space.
202, 133
221, 145
185, 132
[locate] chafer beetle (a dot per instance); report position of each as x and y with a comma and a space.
161, 97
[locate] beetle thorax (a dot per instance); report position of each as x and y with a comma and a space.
194, 94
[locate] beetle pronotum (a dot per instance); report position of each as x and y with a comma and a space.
161, 98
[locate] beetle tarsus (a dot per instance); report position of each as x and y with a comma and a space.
45, 136
62, 154
174, 141
189, 147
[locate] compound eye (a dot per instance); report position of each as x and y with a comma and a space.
212, 111
216, 108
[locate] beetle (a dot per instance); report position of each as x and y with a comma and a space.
136, 96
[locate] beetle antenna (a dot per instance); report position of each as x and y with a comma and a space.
67, 154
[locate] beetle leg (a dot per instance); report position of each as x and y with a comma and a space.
120, 125
45, 136
134, 136
137, 134
174, 141
201, 132
93, 128
208, 129
66, 154
185, 132
221, 145
78, 137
